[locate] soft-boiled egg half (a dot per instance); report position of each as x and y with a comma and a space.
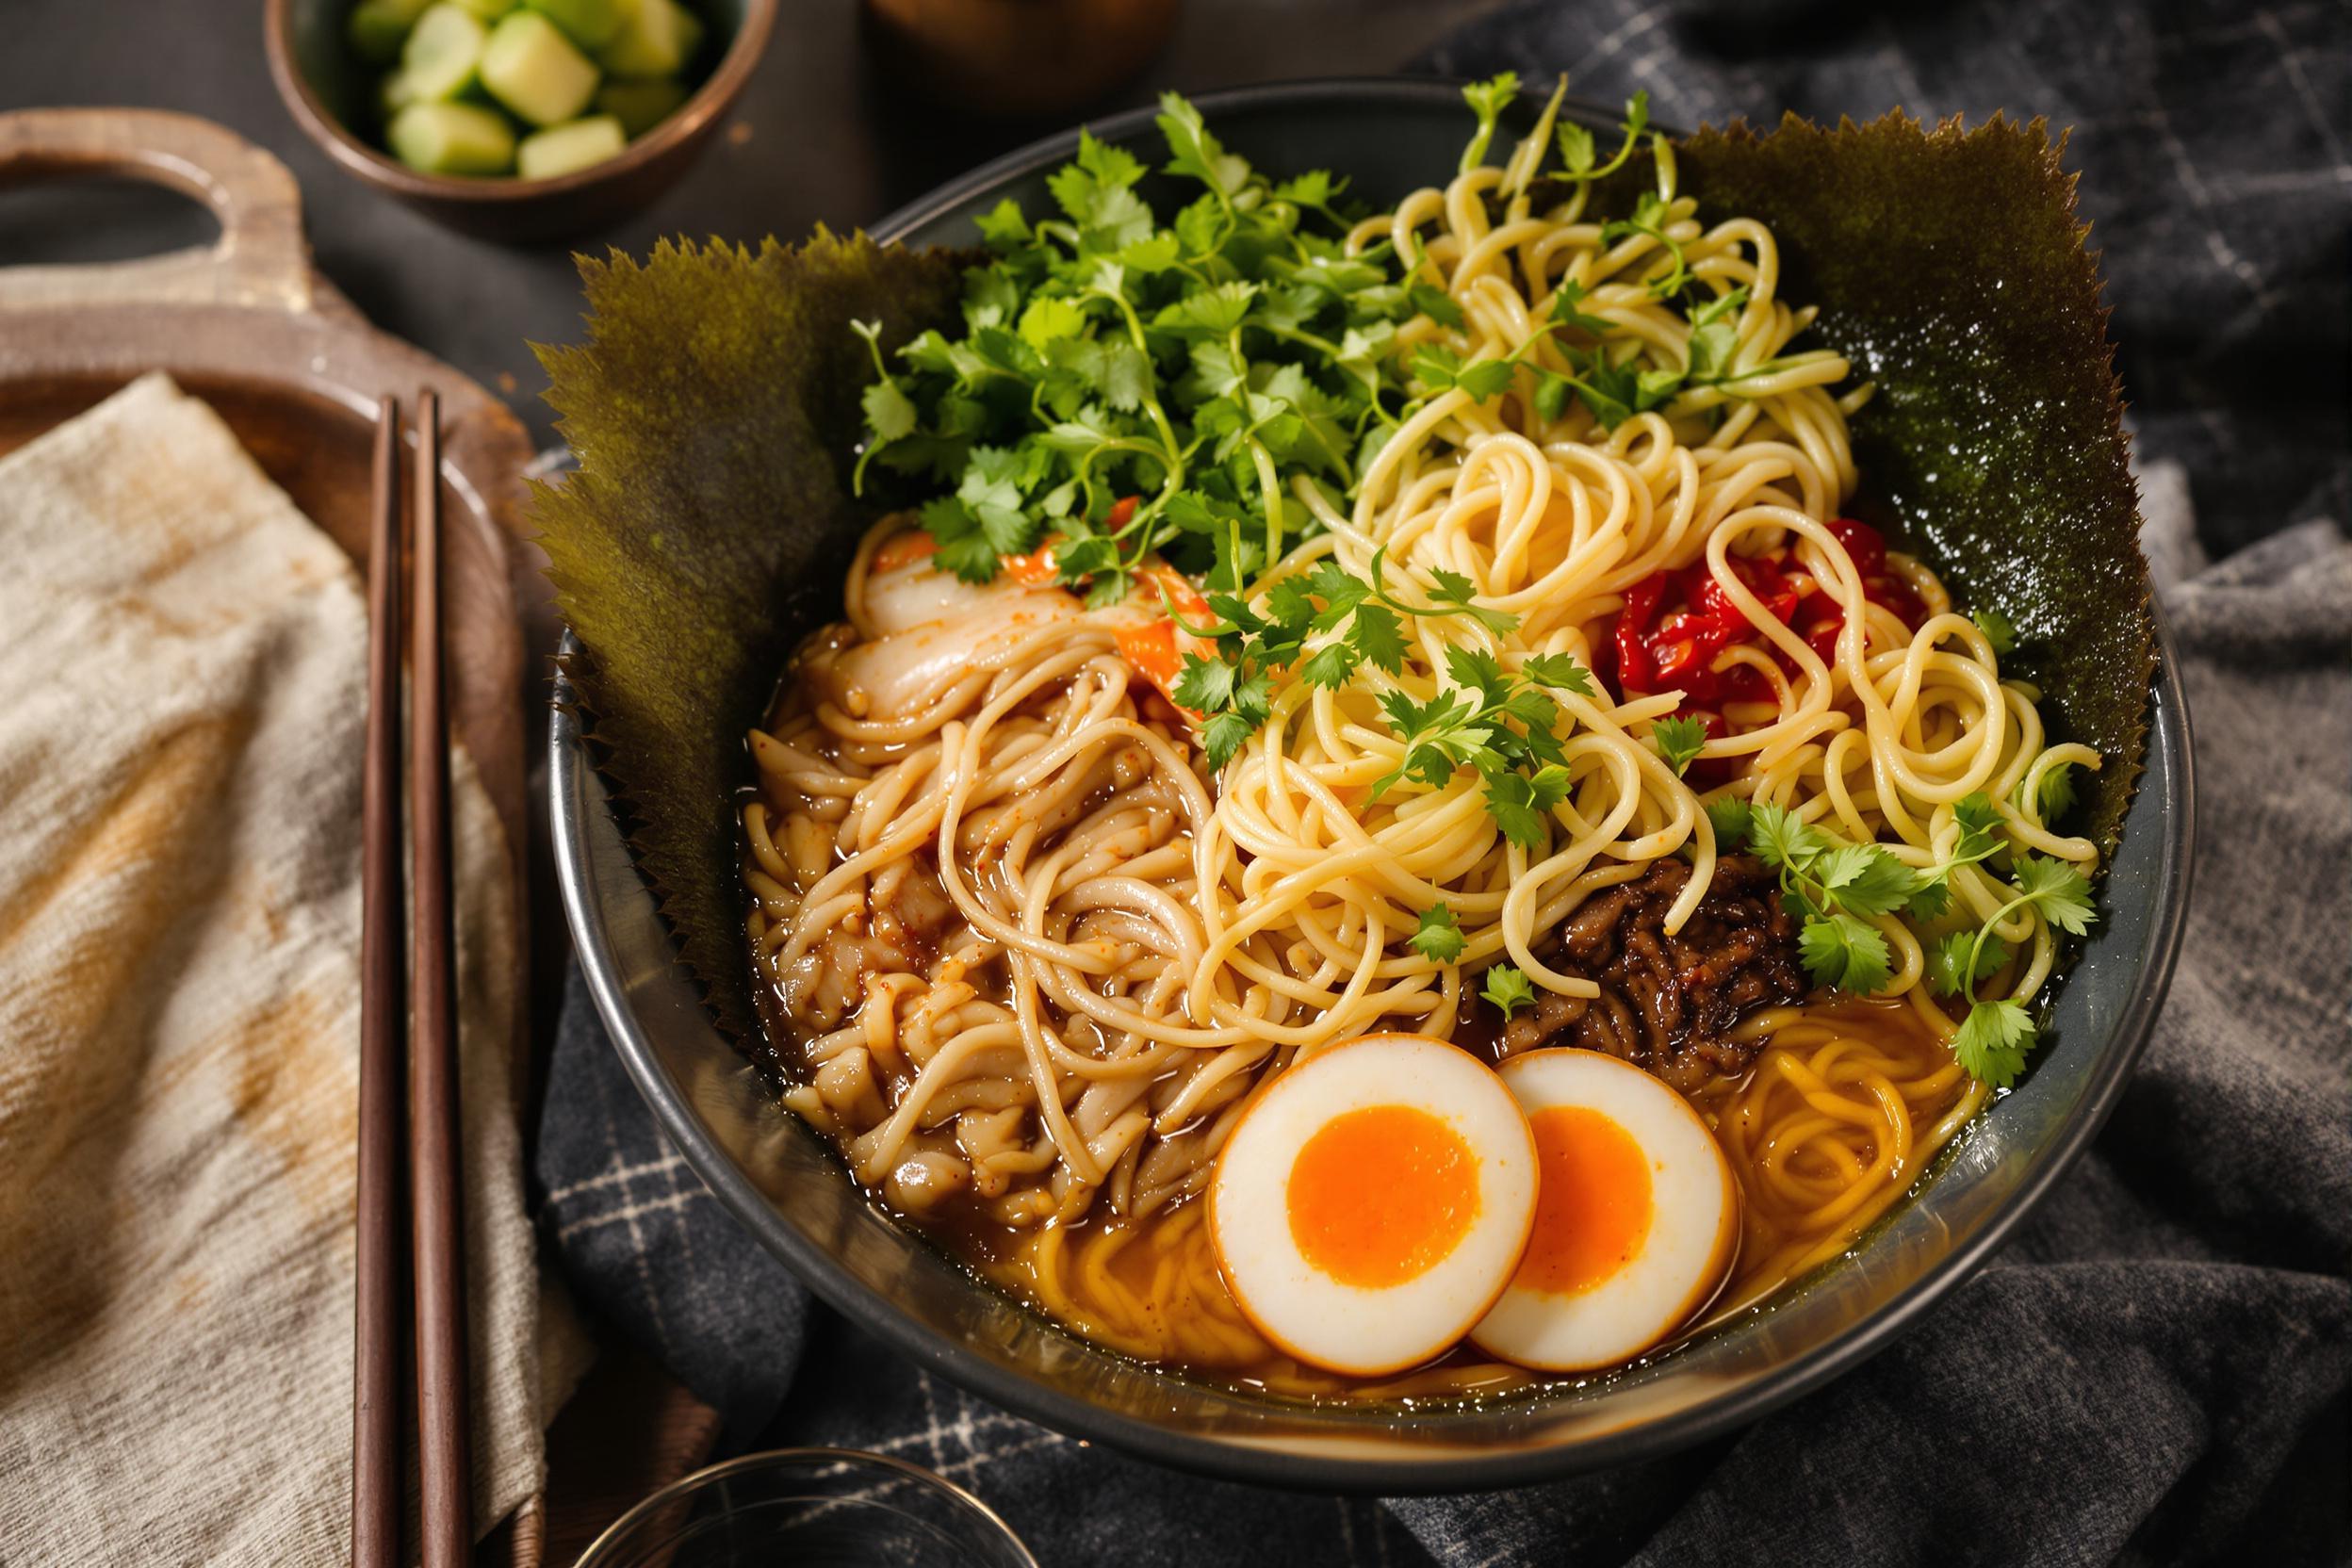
1636, 1216
1369, 1207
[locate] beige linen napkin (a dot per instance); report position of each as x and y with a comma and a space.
182, 694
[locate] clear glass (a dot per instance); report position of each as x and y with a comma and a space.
810, 1508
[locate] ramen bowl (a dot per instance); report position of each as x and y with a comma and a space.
784, 1183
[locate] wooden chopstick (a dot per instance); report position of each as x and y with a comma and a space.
394, 993
376, 1489
436, 1195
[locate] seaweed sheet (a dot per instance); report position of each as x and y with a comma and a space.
714, 410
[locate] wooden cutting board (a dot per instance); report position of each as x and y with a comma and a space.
249, 326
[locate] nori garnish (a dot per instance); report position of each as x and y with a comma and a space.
714, 410
1950, 268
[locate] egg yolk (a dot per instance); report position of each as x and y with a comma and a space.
1379, 1196
1591, 1200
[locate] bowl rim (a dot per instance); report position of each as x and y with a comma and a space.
592, 1555
684, 124
570, 796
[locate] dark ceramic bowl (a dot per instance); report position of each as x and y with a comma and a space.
325, 88
786, 1187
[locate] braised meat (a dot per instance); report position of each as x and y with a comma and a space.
1669, 1004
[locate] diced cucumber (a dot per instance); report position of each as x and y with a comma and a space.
377, 26
395, 93
589, 23
657, 41
560, 149
534, 70
452, 138
488, 10
442, 51
641, 106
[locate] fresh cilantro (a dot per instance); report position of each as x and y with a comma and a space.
1992, 1042
2060, 893
2053, 797
1958, 962
1522, 803
1997, 629
1731, 817
1864, 879
1439, 368
1435, 303
1509, 988
1649, 222
1439, 938
1979, 839
1577, 151
1842, 950
1783, 841
1565, 300
1560, 672
1715, 336
1487, 99
1679, 741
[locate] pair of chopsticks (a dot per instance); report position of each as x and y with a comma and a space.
392, 997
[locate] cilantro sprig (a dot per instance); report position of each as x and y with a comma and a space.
1994, 1039
1509, 988
1838, 887
1439, 938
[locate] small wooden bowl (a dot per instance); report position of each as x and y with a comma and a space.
322, 83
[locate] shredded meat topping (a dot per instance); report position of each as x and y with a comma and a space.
1669, 1004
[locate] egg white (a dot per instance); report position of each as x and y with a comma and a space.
1347, 1328
1694, 1233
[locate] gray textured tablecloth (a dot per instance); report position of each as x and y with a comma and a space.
2159, 1368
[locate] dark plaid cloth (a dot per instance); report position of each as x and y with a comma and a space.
2159, 1368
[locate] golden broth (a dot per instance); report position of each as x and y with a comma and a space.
1846, 1105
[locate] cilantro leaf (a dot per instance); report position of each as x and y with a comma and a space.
1864, 879
2062, 893
1992, 1043
1195, 151
1439, 368
1560, 672
1330, 666
1564, 303
1980, 826
1679, 741
889, 413
1931, 899
1439, 938
1956, 963
964, 548
1522, 803
1783, 841
1002, 227
1509, 988
1204, 685
1576, 148
1224, 735
1997, 629
1487, 99
1730, 817
1378, 637
2053, 797
1435, 303
1844, 952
